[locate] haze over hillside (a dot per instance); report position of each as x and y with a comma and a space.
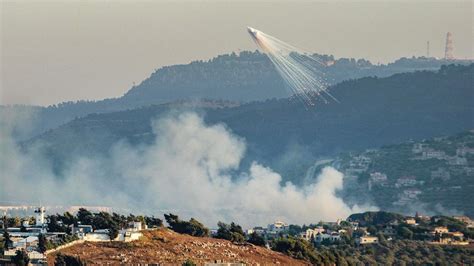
283, 134
246, 77
277, 133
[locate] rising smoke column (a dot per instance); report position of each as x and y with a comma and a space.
191, 169
300, 70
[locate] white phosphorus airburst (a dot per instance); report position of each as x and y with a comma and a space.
303, 72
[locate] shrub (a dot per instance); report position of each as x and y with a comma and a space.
193, 227
67, 260
256, 239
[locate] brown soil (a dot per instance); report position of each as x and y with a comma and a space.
164, 246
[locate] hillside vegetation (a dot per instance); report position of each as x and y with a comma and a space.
430, 176
244, 77
286, 136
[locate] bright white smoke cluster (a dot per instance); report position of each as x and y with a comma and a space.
191, 169
304, 73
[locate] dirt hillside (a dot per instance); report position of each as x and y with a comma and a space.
164, 246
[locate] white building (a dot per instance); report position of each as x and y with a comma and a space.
411, 193
332, 237
377, 178
127, 235
40, 216
311, 233
277, 227
258, 230
406, 181
135, 226
25, 242
81, 230
433, 154
97, 236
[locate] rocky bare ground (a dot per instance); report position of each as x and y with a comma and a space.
164, 246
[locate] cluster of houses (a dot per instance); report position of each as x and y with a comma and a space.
86, 232
316, 235
272, 230
408, 187
323, 234
424, 152
27, 236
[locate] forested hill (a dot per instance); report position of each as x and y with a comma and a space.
248, 76
433, 175
251, 76
283, 134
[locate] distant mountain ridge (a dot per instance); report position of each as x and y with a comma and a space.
244, 77
284, 135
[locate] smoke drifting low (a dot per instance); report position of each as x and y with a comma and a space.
191, 169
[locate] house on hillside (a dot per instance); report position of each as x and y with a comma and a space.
97, 236
377, 179
135, 226
440, 230
433, 154
81, 230
411, 193
311, 233
363, 240
332, 237
258, 230
277, 227
468, 221
410, 221
406, 181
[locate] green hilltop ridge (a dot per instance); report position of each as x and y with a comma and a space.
244, 77
433, 175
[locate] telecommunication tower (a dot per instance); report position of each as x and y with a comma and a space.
448, 51
428, 49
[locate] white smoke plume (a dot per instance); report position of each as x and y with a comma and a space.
303, 72
191, 169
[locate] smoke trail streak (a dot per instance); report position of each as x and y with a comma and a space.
301, 71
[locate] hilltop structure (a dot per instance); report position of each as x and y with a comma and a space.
448, 51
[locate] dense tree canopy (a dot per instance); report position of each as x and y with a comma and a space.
232, 232
193, 227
